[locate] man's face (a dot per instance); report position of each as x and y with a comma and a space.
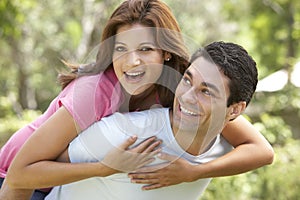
200, 99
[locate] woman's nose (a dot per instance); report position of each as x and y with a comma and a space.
133, 59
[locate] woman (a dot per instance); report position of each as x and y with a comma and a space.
88, 98
69, 114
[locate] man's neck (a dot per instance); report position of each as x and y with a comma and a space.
194, 142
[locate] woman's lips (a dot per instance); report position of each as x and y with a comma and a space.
133, 77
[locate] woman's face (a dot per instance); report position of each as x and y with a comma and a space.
137, 61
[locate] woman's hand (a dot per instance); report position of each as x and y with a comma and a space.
175, 171
126, 159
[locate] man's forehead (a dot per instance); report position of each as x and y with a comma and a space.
203, 68
204, 72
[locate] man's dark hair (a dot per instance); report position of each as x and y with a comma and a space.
235, 62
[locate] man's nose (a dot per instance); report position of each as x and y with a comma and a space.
189, 96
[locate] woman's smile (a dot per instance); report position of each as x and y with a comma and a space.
134, 77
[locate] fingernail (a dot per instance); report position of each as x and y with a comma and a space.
134, 137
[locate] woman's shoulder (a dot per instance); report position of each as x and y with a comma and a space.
92, 97
97, 88
107, 76
88, 86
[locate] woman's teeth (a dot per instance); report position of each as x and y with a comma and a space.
134, 73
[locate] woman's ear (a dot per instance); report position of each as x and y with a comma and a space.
167, 56
236, 109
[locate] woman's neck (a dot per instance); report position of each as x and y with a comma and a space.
141, 101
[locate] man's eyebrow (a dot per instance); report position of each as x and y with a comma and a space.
206, 84
189, 73
212, 86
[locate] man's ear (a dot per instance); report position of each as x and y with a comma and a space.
236, 110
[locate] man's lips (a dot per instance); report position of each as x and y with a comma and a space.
186, 111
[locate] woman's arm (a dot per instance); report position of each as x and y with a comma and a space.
251, 151
35, 162
35, 165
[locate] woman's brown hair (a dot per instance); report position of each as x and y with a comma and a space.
150, 13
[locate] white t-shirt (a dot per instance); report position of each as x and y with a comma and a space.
93, 144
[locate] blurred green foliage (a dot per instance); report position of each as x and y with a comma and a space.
10, 122
35, 35
278, 181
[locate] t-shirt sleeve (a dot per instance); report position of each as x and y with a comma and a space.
90, 98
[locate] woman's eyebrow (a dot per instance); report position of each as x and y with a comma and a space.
117, 42
147, 43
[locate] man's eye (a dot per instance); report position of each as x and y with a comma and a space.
186, 81
207, 92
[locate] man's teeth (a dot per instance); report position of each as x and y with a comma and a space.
133, 73
186, 111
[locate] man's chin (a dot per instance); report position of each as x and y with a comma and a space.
187, 125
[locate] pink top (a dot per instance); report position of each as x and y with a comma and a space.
88, 99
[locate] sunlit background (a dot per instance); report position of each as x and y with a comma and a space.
35, 35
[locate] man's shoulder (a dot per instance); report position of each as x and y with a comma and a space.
144, 122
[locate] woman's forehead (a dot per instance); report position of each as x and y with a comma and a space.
136, 32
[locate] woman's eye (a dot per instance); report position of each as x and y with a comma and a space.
146, 49
120, 49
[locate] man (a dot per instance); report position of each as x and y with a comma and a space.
214, 90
